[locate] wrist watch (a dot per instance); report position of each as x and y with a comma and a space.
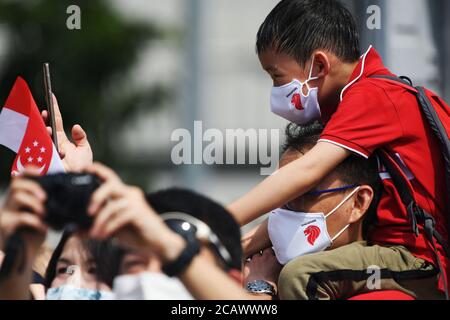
260, 287
192, 248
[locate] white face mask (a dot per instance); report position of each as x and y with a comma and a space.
295, 234
290, 103
149, 286
69, 292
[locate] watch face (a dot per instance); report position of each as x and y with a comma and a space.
260, 286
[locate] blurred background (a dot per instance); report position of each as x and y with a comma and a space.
139, 69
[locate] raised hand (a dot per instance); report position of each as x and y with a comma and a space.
122, 211
262, 266
75, 155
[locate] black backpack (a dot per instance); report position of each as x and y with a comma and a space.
438, 116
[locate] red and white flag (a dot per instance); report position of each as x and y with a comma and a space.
23, 131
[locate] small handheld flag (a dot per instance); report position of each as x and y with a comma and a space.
23, 131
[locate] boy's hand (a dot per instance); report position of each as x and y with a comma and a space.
77, 155
262, 266
256, 240
122, 211
24, 209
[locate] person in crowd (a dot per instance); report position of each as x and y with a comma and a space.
310, 49
82, 269
85, 269
79, 268
166, 224
77, 155
317, 236
184, 212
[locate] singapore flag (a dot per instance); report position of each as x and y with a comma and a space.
23, 131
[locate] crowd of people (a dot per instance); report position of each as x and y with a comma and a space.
134, 235
334, 210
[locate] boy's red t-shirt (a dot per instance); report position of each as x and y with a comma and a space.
374, 113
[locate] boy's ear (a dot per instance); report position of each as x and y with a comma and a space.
322, 64
362, 200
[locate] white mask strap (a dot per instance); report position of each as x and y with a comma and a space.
340, 232
342, 202
310, 78
310, 72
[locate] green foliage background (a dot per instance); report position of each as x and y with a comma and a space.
88, 68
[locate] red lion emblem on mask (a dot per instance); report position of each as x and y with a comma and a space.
297, 101
312, 233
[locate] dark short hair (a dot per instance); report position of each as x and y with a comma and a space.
206, 210
299, 27
105, 254
353, 170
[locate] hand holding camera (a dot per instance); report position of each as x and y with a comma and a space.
24, 210
35, 202
68, 196
96, 201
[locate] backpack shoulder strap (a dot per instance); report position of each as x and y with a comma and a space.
436, 125
415, 212
402, 186
438, 129
402, 81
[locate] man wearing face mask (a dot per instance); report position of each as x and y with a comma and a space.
185, 213
141, 278
321, 236
311, 50
191, 237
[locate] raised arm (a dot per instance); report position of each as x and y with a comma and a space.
289, 182
122, 212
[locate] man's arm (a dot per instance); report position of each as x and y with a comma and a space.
204, 280
289, 182
122, 212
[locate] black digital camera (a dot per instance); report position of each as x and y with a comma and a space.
68, 196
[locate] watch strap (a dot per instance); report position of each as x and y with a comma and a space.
174, 268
